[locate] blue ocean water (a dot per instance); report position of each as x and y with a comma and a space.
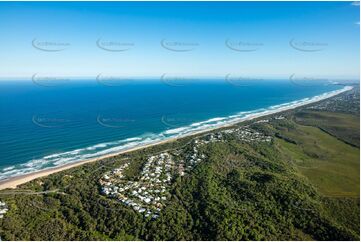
44, 126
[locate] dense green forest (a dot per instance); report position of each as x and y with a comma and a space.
303, 185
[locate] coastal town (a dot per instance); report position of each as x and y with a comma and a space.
349, 101
148, 194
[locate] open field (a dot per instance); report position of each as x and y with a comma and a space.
345, 127
330, 164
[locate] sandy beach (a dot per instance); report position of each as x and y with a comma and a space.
13, 182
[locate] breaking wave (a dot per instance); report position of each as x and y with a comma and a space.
107, 148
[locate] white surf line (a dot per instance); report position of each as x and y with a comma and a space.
25, 177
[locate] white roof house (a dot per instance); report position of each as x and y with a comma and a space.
3, 211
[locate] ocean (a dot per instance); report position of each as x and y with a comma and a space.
47, 124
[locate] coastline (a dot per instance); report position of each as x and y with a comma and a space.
13, 182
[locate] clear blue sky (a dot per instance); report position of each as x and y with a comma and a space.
270, 29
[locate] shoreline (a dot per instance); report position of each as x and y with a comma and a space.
13, 182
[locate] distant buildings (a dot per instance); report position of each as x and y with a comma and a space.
243, 133
346, 102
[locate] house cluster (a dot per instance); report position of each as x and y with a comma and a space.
262, 121
149, 193
195, 156
280, 117
244, 133
250, 135
3, 209
213, 137
348, 101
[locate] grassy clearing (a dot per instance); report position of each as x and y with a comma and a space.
345, 127
330, 164
325, 151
